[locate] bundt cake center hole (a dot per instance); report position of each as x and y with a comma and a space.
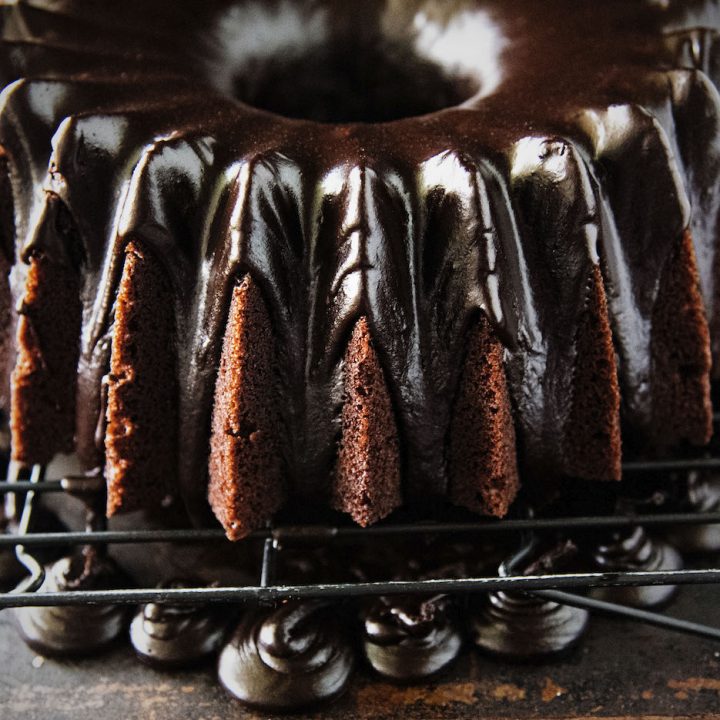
369, 82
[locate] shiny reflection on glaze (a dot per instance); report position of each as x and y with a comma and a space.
635, 550
411, 638
284, 29
70, 630
178, 635
521, 628
313, 62
287, 658
469, 43
701, 494
239, 190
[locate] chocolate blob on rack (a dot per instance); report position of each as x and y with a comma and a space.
287, 658
411, 638
173, 636
487, 214
68, 630
634, 549
523, 626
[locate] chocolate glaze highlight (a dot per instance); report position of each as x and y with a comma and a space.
66, 630
548, 189
173, 636
287, 658
521, 626
411, 638
635, 550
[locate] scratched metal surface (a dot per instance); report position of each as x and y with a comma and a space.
620, 671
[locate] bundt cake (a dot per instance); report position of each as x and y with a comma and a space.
356, 254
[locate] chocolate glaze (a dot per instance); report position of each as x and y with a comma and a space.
520, 626
634, 550
411, 638
287, 658
700, 494
573, 134
10, 569
525, 627
178, 635
68, 630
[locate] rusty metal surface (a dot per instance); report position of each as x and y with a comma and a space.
621, 670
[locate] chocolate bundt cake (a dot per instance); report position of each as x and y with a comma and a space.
356, 254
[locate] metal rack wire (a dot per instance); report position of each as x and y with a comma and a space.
550, 586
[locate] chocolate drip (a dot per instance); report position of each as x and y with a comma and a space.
178, 635
633, 235
69, 630
696, 119
288, 658
635, 550
411, 638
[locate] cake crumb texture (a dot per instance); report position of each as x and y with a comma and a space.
141, 416
593, 448
682, 409
246, 474
367, 476
43, 382
483, 465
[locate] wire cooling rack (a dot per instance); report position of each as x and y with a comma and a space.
551, 586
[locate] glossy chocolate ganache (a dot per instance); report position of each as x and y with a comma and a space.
356, 253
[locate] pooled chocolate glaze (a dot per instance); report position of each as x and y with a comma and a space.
178, 635
523, 626
411, 638
526, 627
558, 133
71, 630
701, 494
287, 658
635, 550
